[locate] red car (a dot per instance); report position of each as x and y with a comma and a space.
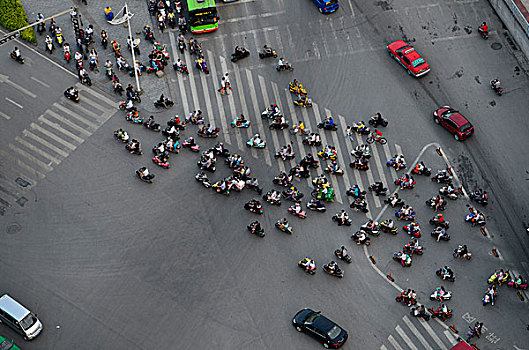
453, 121
409, 58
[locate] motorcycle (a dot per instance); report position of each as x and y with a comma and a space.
284, 183
304, 102
326, 126
285, 66
440, 178
359, 205
476, 219
417, 312
259, 232
382, 192
132, 148
92, 64
436, 295
479, 198
410, 249
520, 284
267, 114
203, 133
58, 38
234, 124
49, 46
449, 192
159, 162
484, 33
336, 272
400, 214
133, 119
488, 299
311, 268
361, 238
386, 228
422, 170
240, 55
314, 207
181, 46
497, 88
413, 229
347, 221
394, 203
403, 259
457, 254
360, 164
252, 143
285, 228
191, 145
405, 300
202, 67
319, 194
165, 103
356, 193
435, 222
72, 96
278, 125
256, 208
307, 141
147, 178
296, 197
396, 165
346, 257
371, 227
123, 136
331, 171
404, 183
375, 122
280, 154
440, 234
86, 80
448, 277
203, 179
301, 214
440, 314
268, 197
431, 203
267, 53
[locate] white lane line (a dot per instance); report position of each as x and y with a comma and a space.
58, 127
67, 122
387, 151
191, 68
231, 102
434, 336
99, 117
224, 124
332, 179
13, 102
383, 347
398, 151
180, 77
239, 90
369, 173
255, 112
40, 140
37, 150
351, 7
253, 17
20, 88
450, 337
75, 116
323, 40
415, 331
394, 343
52, 136
264, 92
380, 167
94, 104
97, 95
40, 163
233, 3
4, 115
279, 43
209, 109
405, 337
35, 174
40, 82
340, 154
285, 132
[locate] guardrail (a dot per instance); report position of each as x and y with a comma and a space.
518, 15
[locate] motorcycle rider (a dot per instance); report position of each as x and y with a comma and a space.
255, 227
333, 268
239, 51
93, 57
342, 252
83, 74
491, 292
49, 42
17, 54
420, 167
360, 237
405, 259
308, 263
144, 173
378, 119
314, 138
72, 92
342, 217
268, 50
495, 83
281, 63
378, 187
256, 140
297, 208
163, 100
447, 272
483, 28
283, 223
394, 199
134, 146
182, 24
329, 122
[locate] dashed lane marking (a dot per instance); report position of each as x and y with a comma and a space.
13, 102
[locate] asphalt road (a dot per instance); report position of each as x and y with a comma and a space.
107, 261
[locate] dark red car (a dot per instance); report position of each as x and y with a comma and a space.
453, 121
410, 59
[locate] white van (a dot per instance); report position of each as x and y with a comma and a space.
16, 316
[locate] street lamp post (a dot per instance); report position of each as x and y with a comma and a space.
126, 11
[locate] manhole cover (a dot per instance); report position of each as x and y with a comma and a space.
496, 46
14, 227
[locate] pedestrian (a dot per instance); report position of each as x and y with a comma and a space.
228, 82
222, 86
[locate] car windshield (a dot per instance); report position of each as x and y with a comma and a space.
28, 321
311, 318
6, 345
334, 332
465, 127
418, 62
449, 112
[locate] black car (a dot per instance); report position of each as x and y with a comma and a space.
320, 327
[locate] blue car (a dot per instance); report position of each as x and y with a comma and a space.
327, 6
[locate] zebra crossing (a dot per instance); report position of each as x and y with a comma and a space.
253, 92
47, 141
417, 334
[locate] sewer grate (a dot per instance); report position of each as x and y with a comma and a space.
14, 227
21, 201
22, 182
496, 46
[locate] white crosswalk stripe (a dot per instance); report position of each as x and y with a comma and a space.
223, 124
255, 111
262, 85
380, 168
434, 336
231, 102
394, 343
180, 78
414, 330
369, 172
244, 107
403, 337
51, 138
406, 339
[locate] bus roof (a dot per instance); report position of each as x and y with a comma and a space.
199, 4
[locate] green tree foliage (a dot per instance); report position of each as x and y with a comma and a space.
13, 16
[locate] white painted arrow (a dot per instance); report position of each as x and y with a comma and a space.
5, 79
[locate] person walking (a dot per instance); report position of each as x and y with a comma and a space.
223, 86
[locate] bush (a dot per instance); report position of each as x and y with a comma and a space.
13, 16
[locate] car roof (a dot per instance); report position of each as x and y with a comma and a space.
397, 44
12, 307
412, 54
457, 118
323, 323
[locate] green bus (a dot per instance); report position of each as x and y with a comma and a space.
202, 16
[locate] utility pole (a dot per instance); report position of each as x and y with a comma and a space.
126, 11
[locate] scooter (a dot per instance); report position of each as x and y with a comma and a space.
19, 59
311, 268
302, 214
234, 124
498, 89
346, 257
158, 162
336, 273
147, 178
251, 143
286, 229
